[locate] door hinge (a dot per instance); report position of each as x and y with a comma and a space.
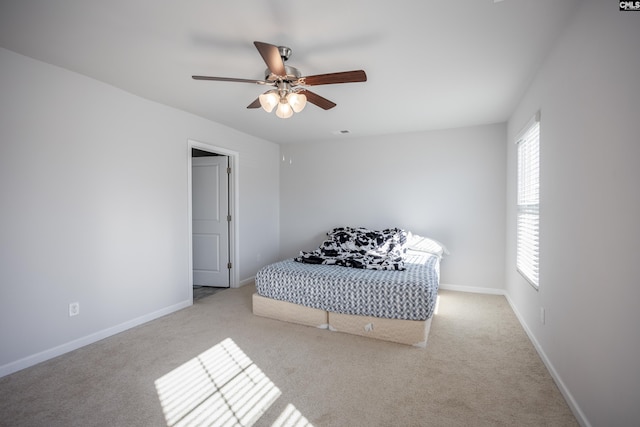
229, 265
228, 218
229, 171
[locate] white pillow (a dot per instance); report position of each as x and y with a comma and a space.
425, 244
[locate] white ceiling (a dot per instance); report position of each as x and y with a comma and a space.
431, 64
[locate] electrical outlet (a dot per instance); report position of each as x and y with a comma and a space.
74, 309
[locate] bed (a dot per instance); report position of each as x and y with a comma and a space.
379, 284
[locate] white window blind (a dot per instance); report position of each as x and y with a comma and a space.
528, 222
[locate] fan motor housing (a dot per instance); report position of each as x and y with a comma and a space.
292, 74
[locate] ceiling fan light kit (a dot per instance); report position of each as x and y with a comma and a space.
290, 94
269, 100
287, 100
284, 110
297, 101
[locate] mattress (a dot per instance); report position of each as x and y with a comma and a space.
408, 294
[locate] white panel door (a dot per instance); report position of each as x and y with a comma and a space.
210, 207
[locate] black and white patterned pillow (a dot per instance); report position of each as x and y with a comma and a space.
361, 248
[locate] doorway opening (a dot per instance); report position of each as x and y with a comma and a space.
213, 227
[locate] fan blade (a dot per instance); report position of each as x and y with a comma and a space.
255, 104
333, 78
316, 99
271, 56
231, 79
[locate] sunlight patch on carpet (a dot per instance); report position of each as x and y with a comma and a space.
222, 387
291, 417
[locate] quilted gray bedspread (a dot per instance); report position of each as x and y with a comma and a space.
408, 294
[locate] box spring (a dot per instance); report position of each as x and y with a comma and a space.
411, 332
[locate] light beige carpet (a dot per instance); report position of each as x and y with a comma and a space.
216, 364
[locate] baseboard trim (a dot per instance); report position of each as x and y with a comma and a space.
45, 355
573, 405
472, 289
247, 281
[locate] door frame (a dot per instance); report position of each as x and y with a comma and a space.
234, 161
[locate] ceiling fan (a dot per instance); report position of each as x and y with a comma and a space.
290, 94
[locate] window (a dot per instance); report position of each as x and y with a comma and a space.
528, 222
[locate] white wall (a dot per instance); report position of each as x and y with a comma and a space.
589, 96
445, 184
93, 183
